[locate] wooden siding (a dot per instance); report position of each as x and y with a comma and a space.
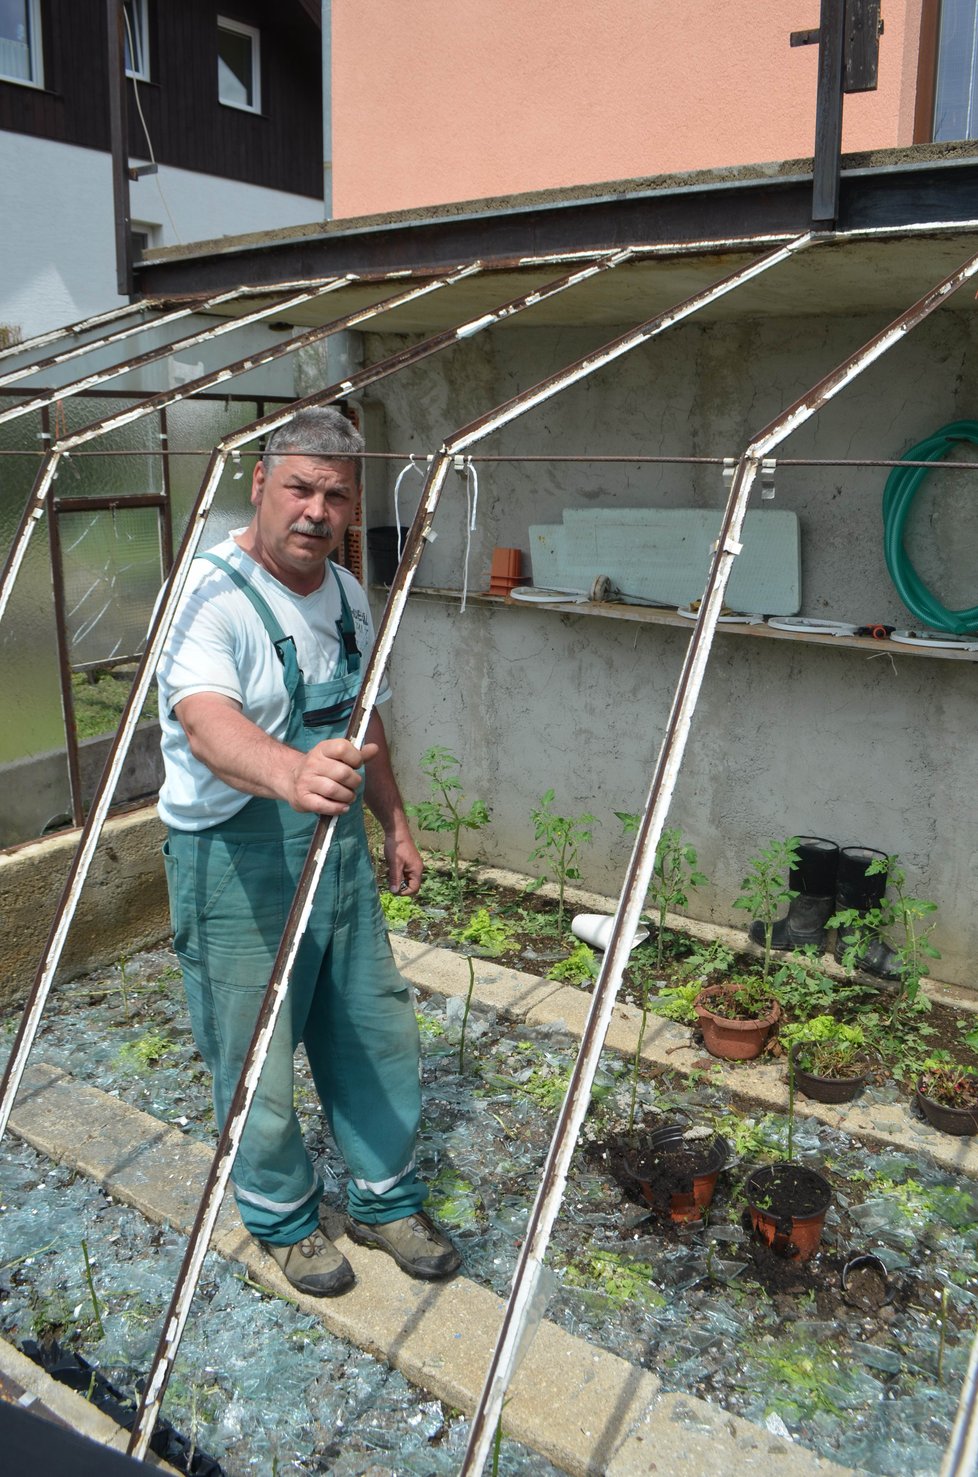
280, 147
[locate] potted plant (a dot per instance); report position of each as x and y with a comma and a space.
677, 1170
827, 1058
788, 1203
947, 1095
737, 1017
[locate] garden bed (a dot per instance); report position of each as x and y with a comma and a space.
705, 1308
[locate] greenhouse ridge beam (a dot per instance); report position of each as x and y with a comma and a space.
526, 1279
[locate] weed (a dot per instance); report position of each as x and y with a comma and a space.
618, 1278
559, 838
399, 911
465, 1014
428, 1026
707, 961
445, 812
486, 935
579, 968
902, 912
675, 1003
811, 1376
145, 1053
765, 889
91, 1289
453, 1198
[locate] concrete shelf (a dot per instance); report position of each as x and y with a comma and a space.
649, 616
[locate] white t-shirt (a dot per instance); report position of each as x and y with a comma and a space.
217, 643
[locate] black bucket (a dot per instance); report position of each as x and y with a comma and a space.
382, 548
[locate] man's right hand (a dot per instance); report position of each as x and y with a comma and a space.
326, 780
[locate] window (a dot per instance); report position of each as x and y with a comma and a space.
137, 39
956, 94
20, 41
238, 68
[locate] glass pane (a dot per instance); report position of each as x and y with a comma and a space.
955, 110
235, 74
112, 575
15, 40
85, 475
198, 425
135, 36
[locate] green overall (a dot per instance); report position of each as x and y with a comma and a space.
231, 887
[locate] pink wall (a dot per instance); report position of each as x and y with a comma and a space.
439, 100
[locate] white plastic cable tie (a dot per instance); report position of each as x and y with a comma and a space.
410, 467
768, 466
731, 546
472, 513
728, 470
238, 473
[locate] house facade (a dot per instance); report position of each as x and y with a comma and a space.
225, 98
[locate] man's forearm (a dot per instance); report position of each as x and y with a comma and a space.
381, 792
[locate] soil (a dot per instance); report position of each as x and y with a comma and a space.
864, 1284
788, 1191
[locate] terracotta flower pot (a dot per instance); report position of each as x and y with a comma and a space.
736, 1040
677, 1175
506, 571
961, 1122
787, 1206
826, 1089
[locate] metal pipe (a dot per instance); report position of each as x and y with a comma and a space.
527, 1275
14, 376
34, 508
151, 356
83, 325
961, 1455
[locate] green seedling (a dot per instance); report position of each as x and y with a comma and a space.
453, 1198
485, 934
559, 840
765, 890
91, 1289
465, 1014
675, 872
675, 1003
909, 917
399, 911
579, 968
446, 813
622, 1281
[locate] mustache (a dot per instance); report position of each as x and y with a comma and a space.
313, 530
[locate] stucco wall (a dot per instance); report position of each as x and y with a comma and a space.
469, 98
57, 248
789, 737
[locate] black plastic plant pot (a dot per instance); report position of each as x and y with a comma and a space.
788, 1204
864, 1282
677, 1175
962, 1122
825, 1089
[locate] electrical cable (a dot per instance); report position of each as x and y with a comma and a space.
139, 109
901, 488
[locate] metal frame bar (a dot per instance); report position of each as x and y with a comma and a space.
520, 1306
151, 356
34, 508
305, 893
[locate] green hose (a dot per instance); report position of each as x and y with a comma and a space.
898, 495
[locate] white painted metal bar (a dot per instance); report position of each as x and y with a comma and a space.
526, 1278
83, 325
151, 356
297, 921
34, 509
14, 376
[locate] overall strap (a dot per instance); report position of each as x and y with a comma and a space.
263, 610
345, 628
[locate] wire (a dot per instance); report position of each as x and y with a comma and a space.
139, 110
901, 488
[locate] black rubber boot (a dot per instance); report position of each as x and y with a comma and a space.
855, 890
813, 878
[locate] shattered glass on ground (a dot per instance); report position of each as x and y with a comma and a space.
707, 1310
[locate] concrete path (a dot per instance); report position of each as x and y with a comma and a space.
587, 1411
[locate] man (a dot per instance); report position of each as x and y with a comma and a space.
260, 672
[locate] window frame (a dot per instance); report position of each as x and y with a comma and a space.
140, 36
224, 23
35, 48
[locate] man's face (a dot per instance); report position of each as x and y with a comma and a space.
303, 507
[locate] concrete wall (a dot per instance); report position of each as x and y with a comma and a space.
789, 737
123, 906
535, 95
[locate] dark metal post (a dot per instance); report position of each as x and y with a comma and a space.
119, 133
827, 165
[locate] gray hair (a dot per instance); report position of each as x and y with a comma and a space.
321, 430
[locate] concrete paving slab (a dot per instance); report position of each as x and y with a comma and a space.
574, 1403
442, 972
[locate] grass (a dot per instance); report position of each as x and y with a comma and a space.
99, 700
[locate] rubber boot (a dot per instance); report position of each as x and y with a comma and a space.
813, 878
855, 890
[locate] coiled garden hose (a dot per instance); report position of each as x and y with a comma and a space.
898, 495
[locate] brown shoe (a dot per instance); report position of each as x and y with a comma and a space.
415, 1243
313, 1265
